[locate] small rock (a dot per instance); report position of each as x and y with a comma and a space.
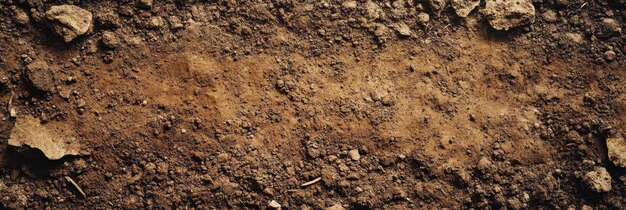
55, 140
349, 4
156, 22
275, 205
12, 112
354, 155
464, 7
20, 16
436, 6
617, 151
608, 27
373, 11
403, 29
144, 4
574, 37
549, 16
110, 40
108, 20
175, 22
423, 18
335, 207
485, 165
514, 203
506, 14
69, 21
598, 180
609, 55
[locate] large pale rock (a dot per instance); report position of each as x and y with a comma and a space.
69, 21
464, 7
598, 180
54, 139
617, 151
506, 14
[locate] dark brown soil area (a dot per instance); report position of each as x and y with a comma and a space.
238, 104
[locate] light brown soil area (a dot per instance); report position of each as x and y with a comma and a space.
245, 101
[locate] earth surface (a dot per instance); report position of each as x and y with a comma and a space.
401, 104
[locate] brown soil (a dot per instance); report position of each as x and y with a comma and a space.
233, 104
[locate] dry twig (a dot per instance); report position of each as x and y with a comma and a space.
311, 182
80, 190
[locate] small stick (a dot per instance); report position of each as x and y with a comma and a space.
311, 182
12, 112
585, 4
71, 181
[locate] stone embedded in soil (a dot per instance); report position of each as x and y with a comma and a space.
69, 21
506, 14
354, 155
349, 4
110, 40
609, 55
403, 29
436, 6
274, 205
145, 4
607, 28
40, 76
598, 180
175, 22
423, 18
464, 7
550, 16
20, 16
335, 207
617, 151
54, 140
485, 165
373, 11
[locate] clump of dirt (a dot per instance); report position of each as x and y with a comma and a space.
360, 104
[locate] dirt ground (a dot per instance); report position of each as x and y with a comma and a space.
400, 104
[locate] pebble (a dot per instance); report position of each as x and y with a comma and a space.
275, 205
609, 55
20, 16
349, 4
354, 155
335, 207
145, 4
423, 18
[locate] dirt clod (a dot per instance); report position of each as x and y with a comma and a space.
41, 76
110, 40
